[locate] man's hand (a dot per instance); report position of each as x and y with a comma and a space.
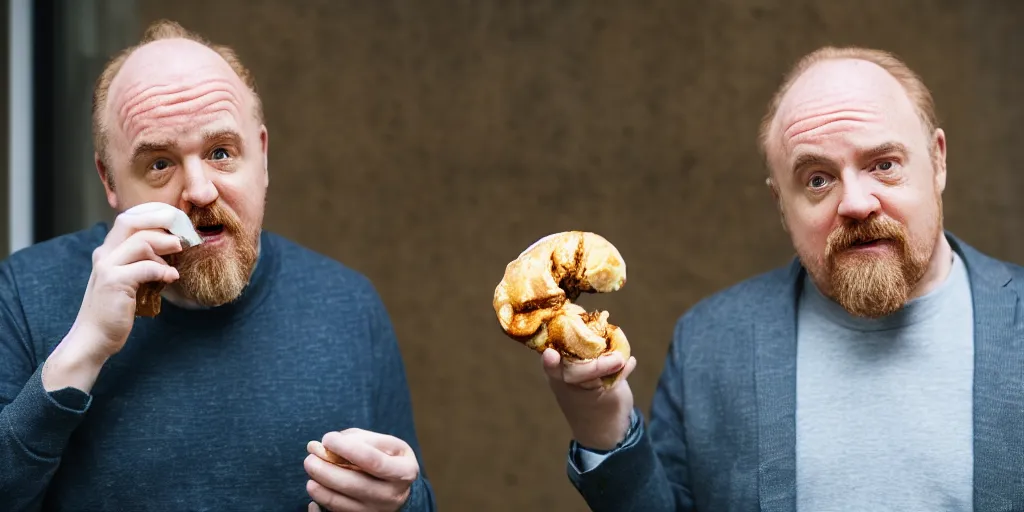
388, 467
598, 417
130, 255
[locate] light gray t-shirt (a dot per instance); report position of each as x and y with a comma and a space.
884, 407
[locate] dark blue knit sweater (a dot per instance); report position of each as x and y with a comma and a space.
202, 409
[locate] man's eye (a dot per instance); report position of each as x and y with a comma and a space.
818, 181
160, 165
884, 166
220, 154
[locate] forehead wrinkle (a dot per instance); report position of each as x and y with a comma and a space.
148, 97
821, 121
150, 114
216, 117
825, 107
140, 92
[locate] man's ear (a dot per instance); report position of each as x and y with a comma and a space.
771, 186
106, 179
265, 149
939, 158
778, 202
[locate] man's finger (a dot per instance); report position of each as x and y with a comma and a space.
331, 500
147, 272
630, 366
552, 363
385, 457
315, 448
578, 373
388, 444
354, 484
312, 507
142, 246
126, 224
599, 383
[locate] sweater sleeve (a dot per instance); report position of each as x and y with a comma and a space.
393, 408
35, 425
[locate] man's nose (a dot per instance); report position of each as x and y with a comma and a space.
199, 189
858, 201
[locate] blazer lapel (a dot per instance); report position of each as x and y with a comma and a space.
775, 380
998, 385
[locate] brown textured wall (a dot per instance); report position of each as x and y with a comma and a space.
427, 143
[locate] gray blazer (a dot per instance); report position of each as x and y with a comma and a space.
722, 432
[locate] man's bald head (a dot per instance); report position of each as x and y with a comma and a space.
166, 50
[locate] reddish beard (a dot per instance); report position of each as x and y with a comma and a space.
213, 276
869, 284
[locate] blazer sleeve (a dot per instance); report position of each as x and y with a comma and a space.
648, 472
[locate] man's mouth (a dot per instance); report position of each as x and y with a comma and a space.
868, 242
210, 230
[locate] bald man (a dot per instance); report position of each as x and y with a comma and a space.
881, 370
266, 363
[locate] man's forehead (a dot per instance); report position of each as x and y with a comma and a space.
839, 82
857, 95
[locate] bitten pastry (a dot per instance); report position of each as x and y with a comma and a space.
534, 300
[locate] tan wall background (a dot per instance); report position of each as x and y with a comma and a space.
427, 143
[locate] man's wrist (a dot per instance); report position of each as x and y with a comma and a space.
606, 446
69, 367
585, 459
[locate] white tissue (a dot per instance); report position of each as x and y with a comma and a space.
180, 225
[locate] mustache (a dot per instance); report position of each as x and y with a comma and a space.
849, 235
215, 214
